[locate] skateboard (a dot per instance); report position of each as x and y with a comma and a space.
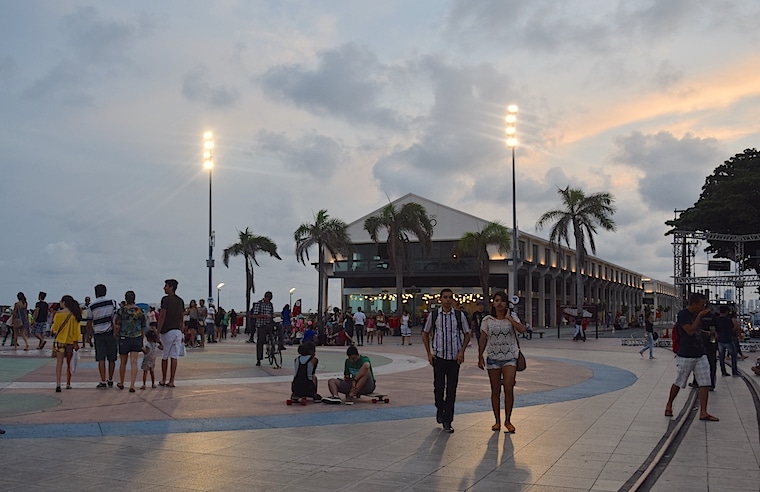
378, 397
303, 400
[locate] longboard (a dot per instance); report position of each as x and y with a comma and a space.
379, 397
303, 400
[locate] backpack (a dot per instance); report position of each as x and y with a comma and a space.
302, 385
457, 314
674, 338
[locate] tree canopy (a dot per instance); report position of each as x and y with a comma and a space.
729, 204
476, 243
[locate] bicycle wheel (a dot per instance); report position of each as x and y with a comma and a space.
276, 355
270, 352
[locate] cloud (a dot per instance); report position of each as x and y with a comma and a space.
67, 82
667, 75
673, 169
348, 82
97, 48
196, 88
100, 41
552, 27
315, 154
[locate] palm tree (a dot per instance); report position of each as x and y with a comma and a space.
410, 219
476, 243
584, 214
324, 233
248, 245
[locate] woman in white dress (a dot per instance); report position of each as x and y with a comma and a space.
499, 341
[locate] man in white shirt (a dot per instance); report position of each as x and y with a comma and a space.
103, 310
359, 320
210, 323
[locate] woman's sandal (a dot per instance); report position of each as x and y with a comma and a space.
496, 426
510, 428
120, 386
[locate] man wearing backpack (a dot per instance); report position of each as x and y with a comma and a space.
692, 356
450, 334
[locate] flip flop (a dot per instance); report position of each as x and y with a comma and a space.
161, 383
668, 413
170, 385
710, 418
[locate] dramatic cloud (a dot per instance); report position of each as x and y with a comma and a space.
317, 155
673, 169
96, 48
196, 88
348, 82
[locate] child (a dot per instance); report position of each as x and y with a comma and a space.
305, 380
150, 350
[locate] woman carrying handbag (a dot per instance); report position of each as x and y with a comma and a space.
498, 339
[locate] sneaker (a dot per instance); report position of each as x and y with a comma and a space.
349, 400
258, 362
652, 357
447, 428
101, 386
110, 384
317, 397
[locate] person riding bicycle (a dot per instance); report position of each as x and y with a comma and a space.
305, 379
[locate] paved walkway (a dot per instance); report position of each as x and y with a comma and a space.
589, 416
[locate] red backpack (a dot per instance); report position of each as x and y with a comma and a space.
674, 338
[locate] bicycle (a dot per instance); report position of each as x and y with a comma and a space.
274, 355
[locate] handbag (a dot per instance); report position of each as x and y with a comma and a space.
521, 364
16, 321
74, 362
655, 336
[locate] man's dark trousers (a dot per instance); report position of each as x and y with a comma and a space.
445, 380
261, 339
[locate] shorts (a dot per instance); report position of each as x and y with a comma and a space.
65, 348
499, 363
105, 346
699, 365
130, 344
192, 324
39, 328
344, 386
171, 340
406, 331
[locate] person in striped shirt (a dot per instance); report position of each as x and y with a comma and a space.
446, 335
103, 310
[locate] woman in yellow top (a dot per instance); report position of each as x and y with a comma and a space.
66, 331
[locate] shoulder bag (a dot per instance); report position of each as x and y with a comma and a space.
520, 357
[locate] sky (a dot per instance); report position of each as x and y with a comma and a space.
343, 106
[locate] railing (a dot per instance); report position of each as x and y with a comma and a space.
425, 266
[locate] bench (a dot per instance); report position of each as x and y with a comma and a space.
529, 334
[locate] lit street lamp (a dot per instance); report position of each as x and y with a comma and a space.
218, 290
208, 164
512, 143
291, 297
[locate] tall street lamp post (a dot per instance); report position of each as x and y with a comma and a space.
512, 143
208, 164
291, 298
218, 291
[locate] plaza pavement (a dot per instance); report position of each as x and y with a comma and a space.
589, 416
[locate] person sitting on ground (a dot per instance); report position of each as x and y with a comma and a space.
340, 337
358, 378
305, 380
